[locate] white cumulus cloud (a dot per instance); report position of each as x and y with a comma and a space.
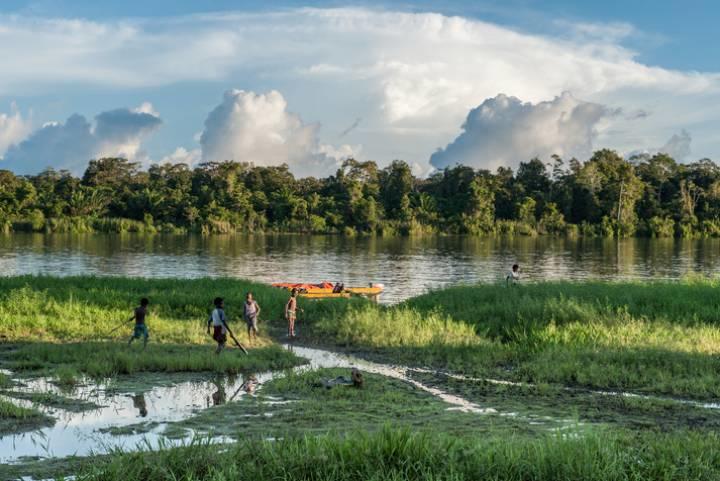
411, 76
13, 128
503, 131
71, 144
182, 156
677, 147
258, 128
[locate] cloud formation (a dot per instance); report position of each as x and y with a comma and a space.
677, 147
13, 128
504, 131
411, 77
71, 144
258, 128
181, 155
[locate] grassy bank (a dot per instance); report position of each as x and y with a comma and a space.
79, 325
399, 454
68, 362
91, 308
16, 419
658, 337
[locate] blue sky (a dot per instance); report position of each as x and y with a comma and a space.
283, 83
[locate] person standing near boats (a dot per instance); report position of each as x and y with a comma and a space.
513, 276
251, 312
291, 312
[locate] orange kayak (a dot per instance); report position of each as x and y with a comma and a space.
327, 288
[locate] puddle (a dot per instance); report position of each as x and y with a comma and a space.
90, 431
319, 358
99, 430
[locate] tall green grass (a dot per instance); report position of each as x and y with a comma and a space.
60, 324
659, 337
9, 410
39, 308
101, 360
400, 455
513, 313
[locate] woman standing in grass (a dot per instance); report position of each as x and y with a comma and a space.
290, 312
251, 312
141, 329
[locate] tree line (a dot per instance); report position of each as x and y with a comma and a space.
607, 195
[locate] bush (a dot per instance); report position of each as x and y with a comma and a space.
661, 227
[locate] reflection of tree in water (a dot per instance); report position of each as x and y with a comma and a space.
140, 404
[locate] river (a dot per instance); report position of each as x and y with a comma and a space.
405, 265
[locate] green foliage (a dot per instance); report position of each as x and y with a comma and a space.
653, 336
661, 227
396, 454
69, 362
607, 195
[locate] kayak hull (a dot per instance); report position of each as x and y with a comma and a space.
319, 289
325, 295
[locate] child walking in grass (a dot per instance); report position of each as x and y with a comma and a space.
290, 312
218, 322
141, 329
251, 312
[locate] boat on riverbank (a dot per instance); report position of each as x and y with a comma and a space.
329, 290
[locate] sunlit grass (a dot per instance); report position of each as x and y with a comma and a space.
653, 336
399, 454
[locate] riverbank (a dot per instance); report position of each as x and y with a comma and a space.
586, 380
646, 337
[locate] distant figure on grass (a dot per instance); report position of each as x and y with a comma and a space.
218, 321
251, 312
513, 276
141, 329
290, 312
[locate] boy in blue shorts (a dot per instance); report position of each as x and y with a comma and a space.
141, 329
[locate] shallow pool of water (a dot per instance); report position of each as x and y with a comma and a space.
137, 418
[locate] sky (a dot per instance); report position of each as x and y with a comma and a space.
311, 83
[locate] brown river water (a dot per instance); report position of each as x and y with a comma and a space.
407, 266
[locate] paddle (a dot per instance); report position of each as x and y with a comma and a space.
232, 336
118, 327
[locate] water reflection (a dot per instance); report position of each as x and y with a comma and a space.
407, 266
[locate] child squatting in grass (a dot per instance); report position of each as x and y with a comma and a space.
141, 329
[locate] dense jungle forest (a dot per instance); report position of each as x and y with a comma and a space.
606, 195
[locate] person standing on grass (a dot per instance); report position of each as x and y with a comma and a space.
290, 312
141, 329
218, 321
513, 276
251, 312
